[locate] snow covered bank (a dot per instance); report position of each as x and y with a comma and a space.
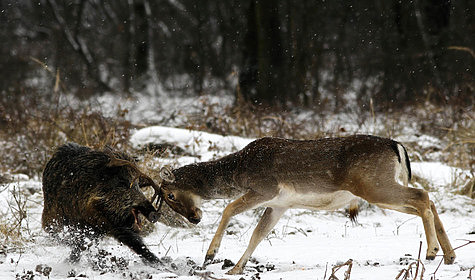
204, 146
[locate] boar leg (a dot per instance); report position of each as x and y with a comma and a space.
130, 238
75, 255
77, 242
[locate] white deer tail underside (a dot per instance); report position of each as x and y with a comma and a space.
403, 167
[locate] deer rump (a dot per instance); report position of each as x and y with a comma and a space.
87, 196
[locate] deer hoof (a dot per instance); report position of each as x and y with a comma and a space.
449, 258
235, 271
430, 255
208, 259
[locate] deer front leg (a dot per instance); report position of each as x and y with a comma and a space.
449, 254
248, 201
268, 220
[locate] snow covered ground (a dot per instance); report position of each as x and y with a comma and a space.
304, 244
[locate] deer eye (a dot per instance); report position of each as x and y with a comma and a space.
171, 196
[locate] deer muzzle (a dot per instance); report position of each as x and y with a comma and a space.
195, 216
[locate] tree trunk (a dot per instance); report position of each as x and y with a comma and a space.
261, 77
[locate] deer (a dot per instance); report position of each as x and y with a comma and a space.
322, 174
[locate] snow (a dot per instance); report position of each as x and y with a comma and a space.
438, 173
145, 108
205, 145
303, 245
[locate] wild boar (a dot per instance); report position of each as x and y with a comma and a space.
91, 193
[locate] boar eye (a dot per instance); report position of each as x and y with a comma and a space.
171, 196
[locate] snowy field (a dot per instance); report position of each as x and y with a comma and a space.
303, 245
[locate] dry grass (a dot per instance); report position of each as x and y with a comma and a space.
248, 120
33, 124
14, 226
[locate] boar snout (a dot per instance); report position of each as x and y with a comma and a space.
148, 211
153, 216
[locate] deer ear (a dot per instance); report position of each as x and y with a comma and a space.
167, 175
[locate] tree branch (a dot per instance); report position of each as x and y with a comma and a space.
79, 45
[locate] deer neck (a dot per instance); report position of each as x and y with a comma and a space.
218, 178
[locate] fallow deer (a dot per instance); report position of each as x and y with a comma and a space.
324, 174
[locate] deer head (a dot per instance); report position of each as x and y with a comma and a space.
177, 191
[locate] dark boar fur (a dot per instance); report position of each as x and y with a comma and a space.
89, 194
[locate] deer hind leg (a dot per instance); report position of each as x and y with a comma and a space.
266, 224
246, 202
449, 254
429, 228
411, 201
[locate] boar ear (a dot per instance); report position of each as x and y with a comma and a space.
167, 175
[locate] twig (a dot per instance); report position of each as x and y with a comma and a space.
460, 48
169, 247
400, 273
400, 225
418, 260
326, 269
461, 142
347, 273
298, 229
57, 82
405, 272
463, 245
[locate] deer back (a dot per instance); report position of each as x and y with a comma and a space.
321, 166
